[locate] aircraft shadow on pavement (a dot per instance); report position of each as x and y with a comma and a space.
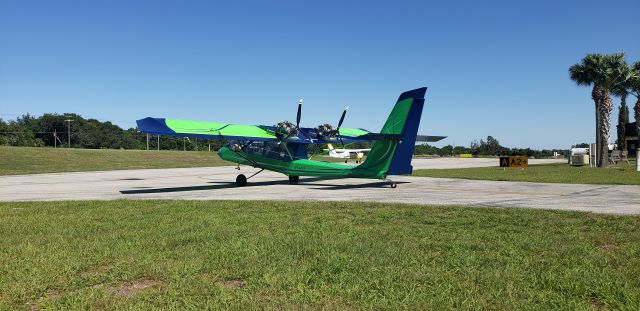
218, 185
227, 185
378, 184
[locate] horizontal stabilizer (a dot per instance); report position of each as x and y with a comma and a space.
429, 138
379, 136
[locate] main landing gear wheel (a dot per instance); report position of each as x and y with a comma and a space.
294, 179
241, 180
391, 183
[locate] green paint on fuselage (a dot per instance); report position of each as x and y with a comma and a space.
301, 167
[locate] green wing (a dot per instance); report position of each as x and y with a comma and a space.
218, 129
214, 130
352, 132
228, 131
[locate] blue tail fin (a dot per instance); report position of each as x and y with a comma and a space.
401, 161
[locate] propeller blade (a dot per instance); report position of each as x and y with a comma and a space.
344, 113
299, 114
342, 117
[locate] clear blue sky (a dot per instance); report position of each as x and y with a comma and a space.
492, 68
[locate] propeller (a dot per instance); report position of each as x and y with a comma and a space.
299, 115
344, 113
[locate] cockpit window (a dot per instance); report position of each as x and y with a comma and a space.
272, 150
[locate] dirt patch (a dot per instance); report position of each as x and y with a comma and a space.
130, 289
606, 245
51, 294
232, 284
95, 271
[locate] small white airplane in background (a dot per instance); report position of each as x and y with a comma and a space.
358, 154
355, 154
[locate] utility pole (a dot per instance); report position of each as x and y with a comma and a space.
69, 132
158, 141
55, 138
147, 141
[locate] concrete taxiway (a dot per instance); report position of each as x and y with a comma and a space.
217, 183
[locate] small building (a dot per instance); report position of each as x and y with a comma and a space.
631, 137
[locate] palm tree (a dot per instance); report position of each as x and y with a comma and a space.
635, 89
622, 90
603, 71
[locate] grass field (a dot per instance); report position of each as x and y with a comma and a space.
622, 174
24, 160
301, 255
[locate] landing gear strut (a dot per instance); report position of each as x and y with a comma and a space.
293, 179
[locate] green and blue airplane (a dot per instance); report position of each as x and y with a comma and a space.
284, 148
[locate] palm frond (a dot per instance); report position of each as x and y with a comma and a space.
606, 70
579, 75
634, 80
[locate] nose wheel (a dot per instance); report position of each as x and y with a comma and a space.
294, 179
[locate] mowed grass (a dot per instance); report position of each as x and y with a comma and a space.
302, 255
622, 174
25, 160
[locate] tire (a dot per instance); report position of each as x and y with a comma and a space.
393, 185
293, 179
241, 180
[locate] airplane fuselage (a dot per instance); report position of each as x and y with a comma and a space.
299, 167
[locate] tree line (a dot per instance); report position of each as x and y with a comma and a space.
488, 147
50, 130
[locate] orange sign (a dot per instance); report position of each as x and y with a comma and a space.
514, 161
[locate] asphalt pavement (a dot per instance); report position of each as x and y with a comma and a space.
218, 183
